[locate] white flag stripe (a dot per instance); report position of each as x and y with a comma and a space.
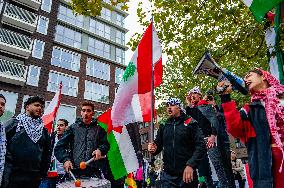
52, 105
136, 107
157, 48
248, 2
121, 110
127, 150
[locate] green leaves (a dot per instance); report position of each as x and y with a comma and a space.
94, 7
187, 28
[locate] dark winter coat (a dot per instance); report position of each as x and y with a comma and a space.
251, 125
24, 158
204, 123
182, 142
78, 143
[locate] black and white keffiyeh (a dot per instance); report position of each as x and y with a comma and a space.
33, 127
2, 150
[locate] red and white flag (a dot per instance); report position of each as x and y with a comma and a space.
50, 112
133, 100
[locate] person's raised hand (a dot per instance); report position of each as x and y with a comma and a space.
225, 84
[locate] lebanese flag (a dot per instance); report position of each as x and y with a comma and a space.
50, 112
132, 104
133, 99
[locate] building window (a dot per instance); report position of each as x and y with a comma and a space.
68, 36
10, 106
46, 5
65, 59
69, 83
38, 49
96, 92
118, 75
100, 28
1, 5
106, 14
42, 25
120, 37
99, 48
119, 19
66, 14
98, 69
120, 56
67, 112
33, 75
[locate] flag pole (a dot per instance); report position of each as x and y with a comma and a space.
152, 91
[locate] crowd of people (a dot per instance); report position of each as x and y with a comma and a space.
191, 135
190, 139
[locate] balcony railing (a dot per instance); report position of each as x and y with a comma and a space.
34, 4
20, 18
15, 43
11, 72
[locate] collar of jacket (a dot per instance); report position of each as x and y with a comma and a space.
80, 122
178, 120
256, 103
202, 102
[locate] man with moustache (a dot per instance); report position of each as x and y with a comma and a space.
2, 137
183, 145
28, 147
80, 142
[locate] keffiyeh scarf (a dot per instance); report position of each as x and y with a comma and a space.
2, 150
33, 127
273, 107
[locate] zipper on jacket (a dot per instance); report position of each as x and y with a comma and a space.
174, 144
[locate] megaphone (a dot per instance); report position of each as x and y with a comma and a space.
208, 66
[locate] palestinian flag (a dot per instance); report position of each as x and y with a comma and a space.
259, 8
132, 104
124, 145
272, 38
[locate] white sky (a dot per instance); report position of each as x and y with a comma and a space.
131, 23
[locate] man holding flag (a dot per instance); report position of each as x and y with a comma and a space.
183, 145
28, 147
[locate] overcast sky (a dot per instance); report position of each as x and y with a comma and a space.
131, 23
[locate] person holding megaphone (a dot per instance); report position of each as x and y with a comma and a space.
260, 125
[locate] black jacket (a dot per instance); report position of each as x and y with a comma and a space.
182, 142
205, 125
81, 140
24, 157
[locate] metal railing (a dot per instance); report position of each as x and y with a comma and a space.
15, 39
10, 68
20, 14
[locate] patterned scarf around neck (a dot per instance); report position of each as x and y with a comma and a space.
2, 150
273, 107
33, 127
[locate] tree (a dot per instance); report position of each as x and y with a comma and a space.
187, 28
94, 7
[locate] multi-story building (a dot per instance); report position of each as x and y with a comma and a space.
42, 43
